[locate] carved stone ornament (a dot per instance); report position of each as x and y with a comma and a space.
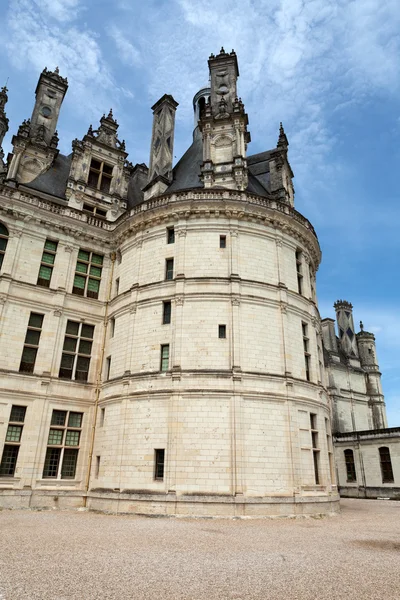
57, 312
179, 300
283, 307
235, 301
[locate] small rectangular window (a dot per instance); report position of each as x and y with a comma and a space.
31, 344
108, 367
13, 437
164, 357
350, 466
169, 269
102, 416
222, 331
222, 241
299, 270
47, 263
166, 312
112, 327
386, 465
170, 235
159, 464
97, 471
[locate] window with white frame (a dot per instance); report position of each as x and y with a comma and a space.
77, 349
13, 441
63, 445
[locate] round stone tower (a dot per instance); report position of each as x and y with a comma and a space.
214, 402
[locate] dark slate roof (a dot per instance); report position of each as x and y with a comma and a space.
54, 180
136, 184
186, 172
259, 167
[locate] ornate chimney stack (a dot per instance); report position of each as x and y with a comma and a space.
347, 334
3, 123
162, 146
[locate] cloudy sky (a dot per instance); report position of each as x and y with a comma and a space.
329, 69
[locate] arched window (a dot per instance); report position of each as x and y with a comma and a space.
3, 242
386, 465
350, 466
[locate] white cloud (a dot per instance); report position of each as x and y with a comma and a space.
61, 10
126, 50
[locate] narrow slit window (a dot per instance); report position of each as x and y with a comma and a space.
386, 465
315, 446
222, 241
170, 235
102, 416
169, 269
3, 242
159, 464
108, 367
31, 344
222, 332
350, 466
47, 263
299, 271
97, 471
164, 357
166, 312
306, 347
112, 327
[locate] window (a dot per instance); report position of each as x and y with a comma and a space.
386, 465
13, 441
47, 263
164, 357
75, 359
94, 211
88, 274
3, 242
314, 443
169, 269
222, 331
166, 312
112, 327
100, 175
31, 344
97, 471
102, 416
117, 286
350, 466
306, 345
108, 367
312, 283
222, 241
330, 449
63, 445
170, 235
159, 464
299, 269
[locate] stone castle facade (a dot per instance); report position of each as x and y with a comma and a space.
161, 346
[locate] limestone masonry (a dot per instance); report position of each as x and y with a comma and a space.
161, 346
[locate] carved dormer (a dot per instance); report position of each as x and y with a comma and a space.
35, 145
281, 174
99, 175
223, 124
3, 127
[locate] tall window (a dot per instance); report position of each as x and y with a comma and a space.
169, 269
314, 443
350, 465
330, 449
13, 441
159, 456
170, 235
306, 346
88, 274
166, 312
222, 241
222, 331
164, 366
31, 344
100, 175
386, 465
47, 263
3, 242
299, 270
63, 445
75, 359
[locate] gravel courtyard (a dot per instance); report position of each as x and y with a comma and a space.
87, 556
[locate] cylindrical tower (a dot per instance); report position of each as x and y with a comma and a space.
369, 362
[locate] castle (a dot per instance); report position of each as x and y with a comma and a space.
161, 346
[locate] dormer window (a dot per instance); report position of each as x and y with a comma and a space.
99, 213
100, 175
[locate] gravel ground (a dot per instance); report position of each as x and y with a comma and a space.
62, 555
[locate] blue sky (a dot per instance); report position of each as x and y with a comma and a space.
329, 69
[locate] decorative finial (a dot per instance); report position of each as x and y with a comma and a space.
56, 70
110, 114
222, 51
282, 140
361, 326
90, 130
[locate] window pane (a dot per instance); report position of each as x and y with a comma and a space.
75, 419
87, 331
72, 327
72, 438
45, 273
82, 368
48, 258
69, 464
51, 462
55, 437
28, 360
3, 230
35, 320
95, 271
85, 347
49, 245
3, 244
93, 285
32, 337
107, 169
58, 417
83, 255
14, 433
81, 267
97, 259
105, 184
67, 361
18, 414
9, 461
79, 285
70, 344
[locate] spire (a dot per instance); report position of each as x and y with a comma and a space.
282, 140
3, 120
